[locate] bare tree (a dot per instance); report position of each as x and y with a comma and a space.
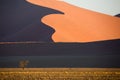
23, 63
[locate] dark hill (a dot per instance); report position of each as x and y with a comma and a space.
96, 55
61, 49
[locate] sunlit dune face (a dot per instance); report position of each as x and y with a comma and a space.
78, 24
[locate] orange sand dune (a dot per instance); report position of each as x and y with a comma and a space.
78, 24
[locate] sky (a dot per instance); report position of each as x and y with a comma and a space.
110, 7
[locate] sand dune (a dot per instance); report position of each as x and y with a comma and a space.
118, 15
78, 24
20, 22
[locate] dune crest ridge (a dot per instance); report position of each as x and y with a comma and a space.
78, 24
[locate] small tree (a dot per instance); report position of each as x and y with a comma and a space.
23, 64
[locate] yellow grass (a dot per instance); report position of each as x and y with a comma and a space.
60, 74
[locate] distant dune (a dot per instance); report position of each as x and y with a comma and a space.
118, 15
78, 24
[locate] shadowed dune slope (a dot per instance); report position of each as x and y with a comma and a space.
21, 21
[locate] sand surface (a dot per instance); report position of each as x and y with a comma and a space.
78, 24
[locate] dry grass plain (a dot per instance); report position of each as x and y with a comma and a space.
60, 74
